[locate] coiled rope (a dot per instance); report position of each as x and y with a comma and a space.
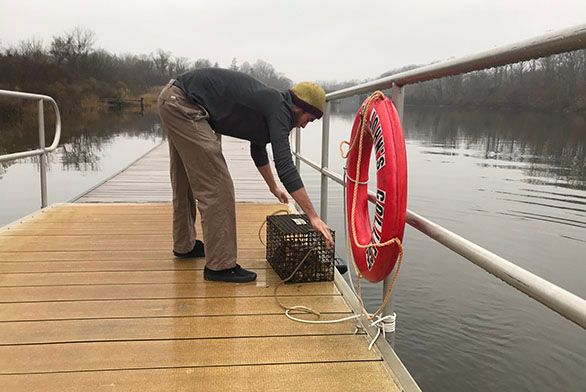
376, 319
299, 309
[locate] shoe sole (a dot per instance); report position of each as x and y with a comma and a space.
191, 254
241, 280
187, 256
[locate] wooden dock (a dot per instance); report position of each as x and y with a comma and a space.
91, 298
147, 180
119, 103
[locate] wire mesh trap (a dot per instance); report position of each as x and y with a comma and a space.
290, 240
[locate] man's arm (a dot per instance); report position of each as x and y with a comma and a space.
302, 199
267, 174
279, 127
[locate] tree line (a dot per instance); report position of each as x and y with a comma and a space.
72, 70
556, 83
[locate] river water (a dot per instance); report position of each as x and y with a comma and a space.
93, 148
515, 183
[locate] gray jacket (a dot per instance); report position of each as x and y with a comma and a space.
245, 108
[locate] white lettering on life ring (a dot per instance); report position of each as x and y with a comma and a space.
376, 131
377, 228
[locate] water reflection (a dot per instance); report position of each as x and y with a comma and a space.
93, 147
83, 137
541, 145
549, 151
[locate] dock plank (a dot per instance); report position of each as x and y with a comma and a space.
92, 356
156, 291
164, 255
334, 376
172, 307
119, 265
159, 328
116, 277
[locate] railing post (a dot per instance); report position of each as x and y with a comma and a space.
325, 158
297, 148
398, 98
42, 156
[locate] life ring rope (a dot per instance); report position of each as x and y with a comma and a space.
352, 144
357, 182
358, 292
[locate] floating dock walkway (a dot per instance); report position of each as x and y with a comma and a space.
91, 298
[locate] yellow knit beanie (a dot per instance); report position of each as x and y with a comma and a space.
310, 97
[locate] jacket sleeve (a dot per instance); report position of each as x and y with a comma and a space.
258, 152
279, 134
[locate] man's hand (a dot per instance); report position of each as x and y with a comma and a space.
321, 227
300, 196
267, 174
280, 194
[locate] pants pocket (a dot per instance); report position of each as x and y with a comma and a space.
194, 112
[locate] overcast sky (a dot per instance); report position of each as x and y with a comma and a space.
304, 39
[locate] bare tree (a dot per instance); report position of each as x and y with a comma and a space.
265, 72
179, 65
32, 48
162, 61
234, 64
202, 63
246, 68
72, 45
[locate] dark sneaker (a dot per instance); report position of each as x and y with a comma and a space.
197, 251
235, 275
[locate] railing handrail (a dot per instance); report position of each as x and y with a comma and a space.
566, 40
562, 301
43, 149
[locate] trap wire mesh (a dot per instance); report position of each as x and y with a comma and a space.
290, 238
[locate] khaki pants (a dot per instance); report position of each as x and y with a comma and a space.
198, 172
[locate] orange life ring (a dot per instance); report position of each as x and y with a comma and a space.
377, 246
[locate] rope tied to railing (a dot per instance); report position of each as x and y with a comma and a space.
301, 309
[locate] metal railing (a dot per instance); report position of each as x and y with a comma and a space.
42, 150
552, 296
